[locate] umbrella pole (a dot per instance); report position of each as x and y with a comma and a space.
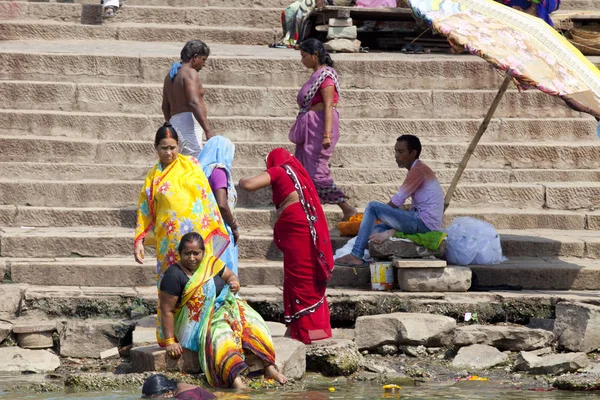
480, 131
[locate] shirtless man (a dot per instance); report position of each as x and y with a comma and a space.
183, 98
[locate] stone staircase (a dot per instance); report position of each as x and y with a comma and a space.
79, 106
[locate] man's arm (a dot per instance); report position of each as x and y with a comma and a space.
414, 179
192, 88
166, 107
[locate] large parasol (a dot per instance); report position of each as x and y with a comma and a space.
526, 49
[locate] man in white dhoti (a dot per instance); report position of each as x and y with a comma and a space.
183, 98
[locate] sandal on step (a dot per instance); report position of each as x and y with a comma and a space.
364, 264
109, 12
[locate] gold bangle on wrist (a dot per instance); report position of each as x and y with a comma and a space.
169, 341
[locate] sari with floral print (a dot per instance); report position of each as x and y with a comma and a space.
174, 201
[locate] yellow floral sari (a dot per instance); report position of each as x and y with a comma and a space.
174, 201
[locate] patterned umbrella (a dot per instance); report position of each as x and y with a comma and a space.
529, 51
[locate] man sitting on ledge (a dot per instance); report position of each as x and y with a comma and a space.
424, 215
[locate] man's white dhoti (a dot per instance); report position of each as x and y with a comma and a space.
190, 133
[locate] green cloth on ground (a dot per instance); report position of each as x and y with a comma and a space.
430, 240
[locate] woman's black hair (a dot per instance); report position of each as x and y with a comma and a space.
314, 46
189, 238
158, 384
164, 132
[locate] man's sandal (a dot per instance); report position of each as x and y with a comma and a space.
109, 12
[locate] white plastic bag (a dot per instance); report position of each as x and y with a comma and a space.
347, 249
471, 241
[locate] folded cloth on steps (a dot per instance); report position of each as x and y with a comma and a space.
430, 240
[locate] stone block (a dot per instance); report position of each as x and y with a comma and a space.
402, 248
340, 22
551, 364
5, 330
343, 46
16, 359
110, 353
91, 14
35, 336
577, 326
402, 328
89, 338
10, 301
541, 323
513, 338
276, 329
341, 32
149, 321
333, 357
419, 263
450, 279
155, 358
290, 357
479, 356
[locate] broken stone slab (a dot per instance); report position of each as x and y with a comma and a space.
343, 333
340, 22
387, 349
5, 330
16, 359
550, 364
110, 353
143, 336
290, 357
403, 248
342, 32
577, 326
155, 358
89, 338
414, 351
333, 357
343, 46
402, 328
149, 321
503, 337
35, 336
479, 356
541, 323
276, 329
577, 382
10, 301
450, 279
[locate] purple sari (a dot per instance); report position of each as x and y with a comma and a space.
307, 133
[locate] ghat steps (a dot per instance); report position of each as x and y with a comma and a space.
77, 118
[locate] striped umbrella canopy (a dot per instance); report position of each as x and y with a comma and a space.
526, 49
520, 45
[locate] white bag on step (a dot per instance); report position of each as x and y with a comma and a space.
472, 241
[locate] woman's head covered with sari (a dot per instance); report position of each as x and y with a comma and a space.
218, 152
309, 199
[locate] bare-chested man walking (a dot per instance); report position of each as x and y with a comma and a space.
183, 98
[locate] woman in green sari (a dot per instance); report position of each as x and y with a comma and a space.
223, 337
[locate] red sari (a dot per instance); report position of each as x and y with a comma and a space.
301, 233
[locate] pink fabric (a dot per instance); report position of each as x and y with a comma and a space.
319, 97
218, 179
427, 195
376, 3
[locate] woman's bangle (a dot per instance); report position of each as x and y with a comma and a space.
169, 341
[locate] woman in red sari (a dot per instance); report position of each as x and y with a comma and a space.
302, 235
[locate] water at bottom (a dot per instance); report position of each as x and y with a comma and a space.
458, 391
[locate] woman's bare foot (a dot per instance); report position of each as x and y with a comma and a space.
271, 372
238, 384
350, 261
382, 236
348, 211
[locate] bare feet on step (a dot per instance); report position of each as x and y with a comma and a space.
348, 211
350, 261
238, 384
382, 236
272, 373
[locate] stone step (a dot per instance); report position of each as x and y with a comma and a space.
189, 3
192, 16
522, 273
345, 304
52, 30
101, 193
123, 126
545, 155
444, 171
263, 218
258, 244
580, 5
280, 101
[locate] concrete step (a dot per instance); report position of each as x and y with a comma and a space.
580, 5
263, 218
280, 102
187, 3
365, 175
124, 126
345, 304
523, 273
52, 30
101, 193
196, 16
258, 244
545, 155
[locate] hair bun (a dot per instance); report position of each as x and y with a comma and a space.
167, 125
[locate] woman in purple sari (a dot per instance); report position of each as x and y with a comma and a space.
317, 127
